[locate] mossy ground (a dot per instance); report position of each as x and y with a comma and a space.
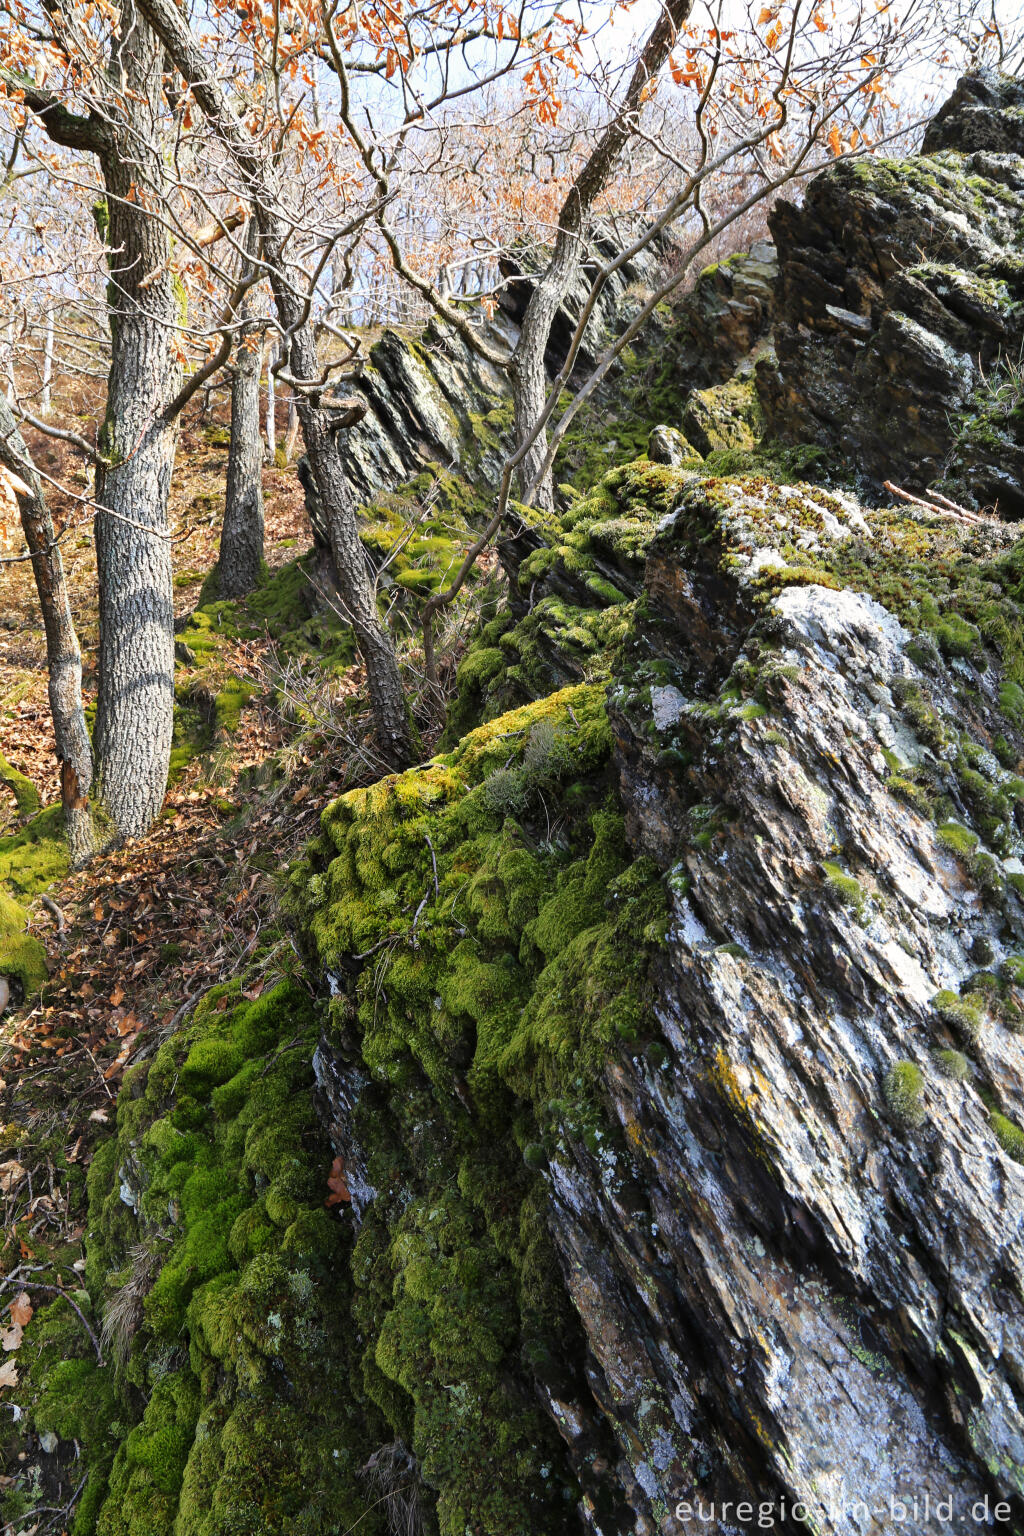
31, 859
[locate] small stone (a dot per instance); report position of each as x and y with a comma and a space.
667, 445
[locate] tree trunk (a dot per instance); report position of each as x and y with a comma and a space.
293, 431
529, 377
271, 405
133, 553
47, 362
63, 657
240, 561
354, 584
528, 374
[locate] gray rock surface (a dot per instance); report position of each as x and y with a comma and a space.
901, 307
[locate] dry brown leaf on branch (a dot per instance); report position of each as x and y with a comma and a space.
8, 1374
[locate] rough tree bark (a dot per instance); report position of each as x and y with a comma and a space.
240, 560
271, 404
135, 713
316, 417
133, 554
63, 656
526, 365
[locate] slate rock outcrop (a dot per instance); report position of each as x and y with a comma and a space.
900, 318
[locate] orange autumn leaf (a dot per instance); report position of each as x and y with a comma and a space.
21, 1309
337, 1184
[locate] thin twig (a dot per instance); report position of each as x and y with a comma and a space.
951, 510
57, 1290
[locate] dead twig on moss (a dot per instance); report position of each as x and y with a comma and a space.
941, 506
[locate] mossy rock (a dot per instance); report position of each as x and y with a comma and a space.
36, 855
31, 859
1008, 1134
904, 1093
228, 1400
726, 417
499, 970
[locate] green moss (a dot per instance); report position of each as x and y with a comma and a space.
26, 796
905, 788
1013, 969
21, 956
36, 855
958, 839
223, 1285
956, 637
230, 701
904, 1088
954, 1065
958, 592
725, 418
784, 463
30, 860
577, 618
420, 532
963, 1015
845, 888
505, 936
1008, 1134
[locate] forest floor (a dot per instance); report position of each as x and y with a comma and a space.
137, 937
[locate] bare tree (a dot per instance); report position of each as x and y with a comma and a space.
240, 558
303, 372
63, 656
526, 365
136, 448
121, 120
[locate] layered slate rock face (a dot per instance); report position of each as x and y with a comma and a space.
425, 397
431, 399
729, 999
519, 268
986, 111
818, 1264
901, 307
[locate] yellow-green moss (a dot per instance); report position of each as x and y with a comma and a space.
954, 1065
963, 1015
904, 1089
26, 796
36, 855
30, 860
21, 956
236, 1407
502, 935
1008, 1134
845, 888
